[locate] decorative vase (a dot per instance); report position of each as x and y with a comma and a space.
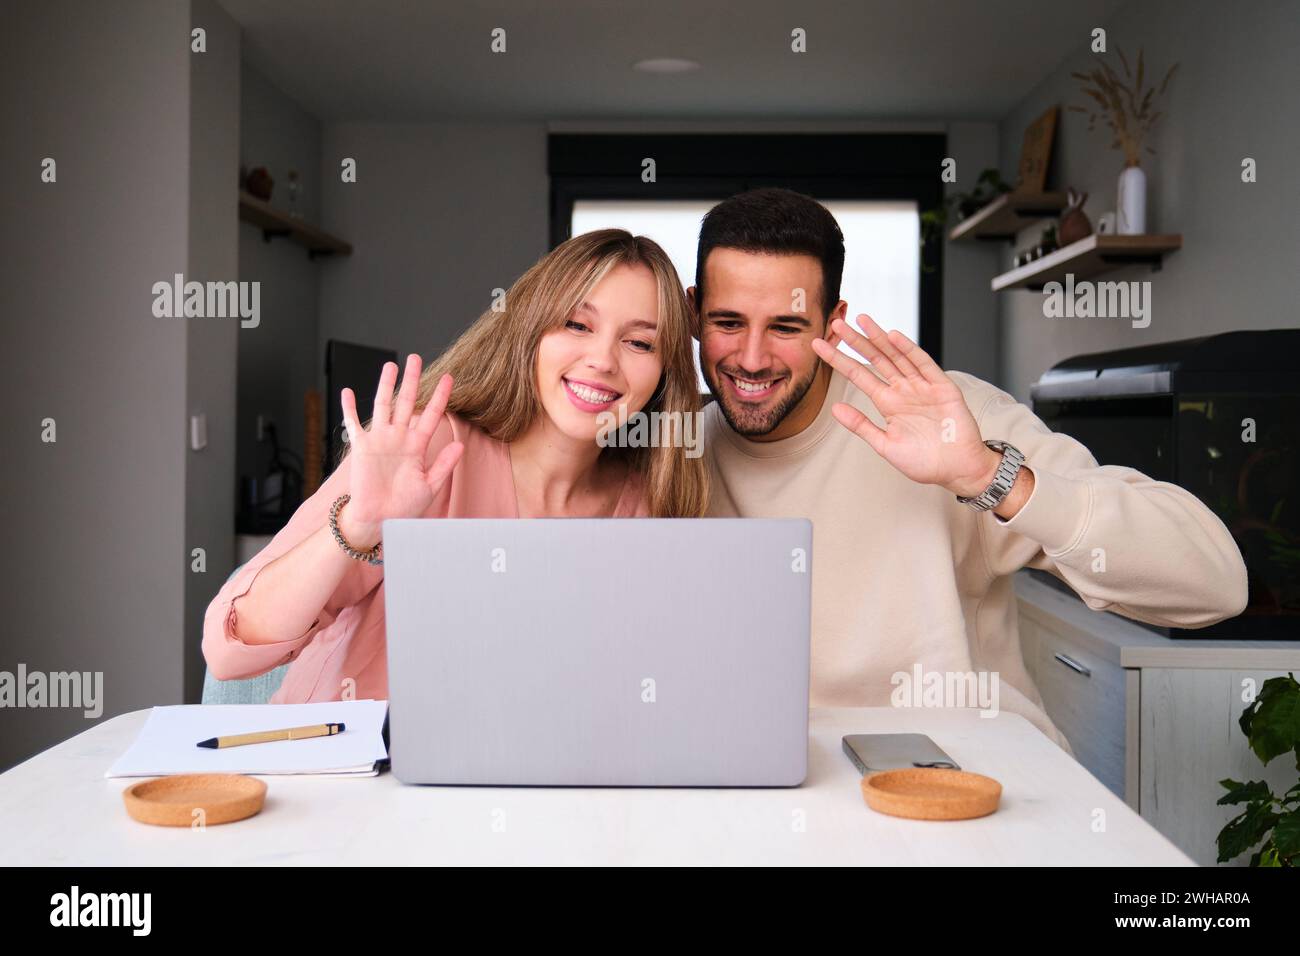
1131, 212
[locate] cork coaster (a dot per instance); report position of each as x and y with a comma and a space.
931, 793
171, 801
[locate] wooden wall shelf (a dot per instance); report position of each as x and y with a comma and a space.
1089, 256
275, 222
1005, 216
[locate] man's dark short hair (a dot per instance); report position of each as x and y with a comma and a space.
775, 222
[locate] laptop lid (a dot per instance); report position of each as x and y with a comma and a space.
598, 652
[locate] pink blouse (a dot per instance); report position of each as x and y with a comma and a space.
345, 648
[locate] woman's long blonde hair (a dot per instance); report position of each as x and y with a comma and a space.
494, 362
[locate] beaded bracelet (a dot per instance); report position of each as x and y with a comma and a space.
371, 556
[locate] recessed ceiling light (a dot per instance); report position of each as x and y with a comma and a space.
666, 64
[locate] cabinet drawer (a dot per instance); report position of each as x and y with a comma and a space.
1083, 693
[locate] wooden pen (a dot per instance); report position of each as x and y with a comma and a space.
266, 736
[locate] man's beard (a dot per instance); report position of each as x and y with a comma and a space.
749, 421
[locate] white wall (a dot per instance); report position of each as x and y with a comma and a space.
1233, 97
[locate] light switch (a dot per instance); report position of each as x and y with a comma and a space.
198, 432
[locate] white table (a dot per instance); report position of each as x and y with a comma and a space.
58, 808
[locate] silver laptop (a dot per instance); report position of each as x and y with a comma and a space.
599, 652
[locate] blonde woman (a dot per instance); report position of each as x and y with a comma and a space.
505, 424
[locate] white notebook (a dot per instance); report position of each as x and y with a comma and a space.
168, 742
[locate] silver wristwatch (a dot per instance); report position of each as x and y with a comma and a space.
1003, 478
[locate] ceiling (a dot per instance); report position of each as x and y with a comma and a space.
409, 61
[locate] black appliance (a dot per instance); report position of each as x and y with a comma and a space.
357, 367
1186, 412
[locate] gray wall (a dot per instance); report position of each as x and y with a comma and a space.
95, 566
211, 342
278, 359
970, 309
440, 215
1233, 97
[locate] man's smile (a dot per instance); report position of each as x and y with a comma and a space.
752, 389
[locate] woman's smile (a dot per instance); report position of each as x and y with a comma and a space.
590, 396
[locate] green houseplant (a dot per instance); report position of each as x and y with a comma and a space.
1272, 725
988, 187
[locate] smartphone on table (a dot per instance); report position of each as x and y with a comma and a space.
872, 753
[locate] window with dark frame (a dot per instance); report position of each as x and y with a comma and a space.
826, 166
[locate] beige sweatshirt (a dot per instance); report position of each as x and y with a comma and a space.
905, 577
